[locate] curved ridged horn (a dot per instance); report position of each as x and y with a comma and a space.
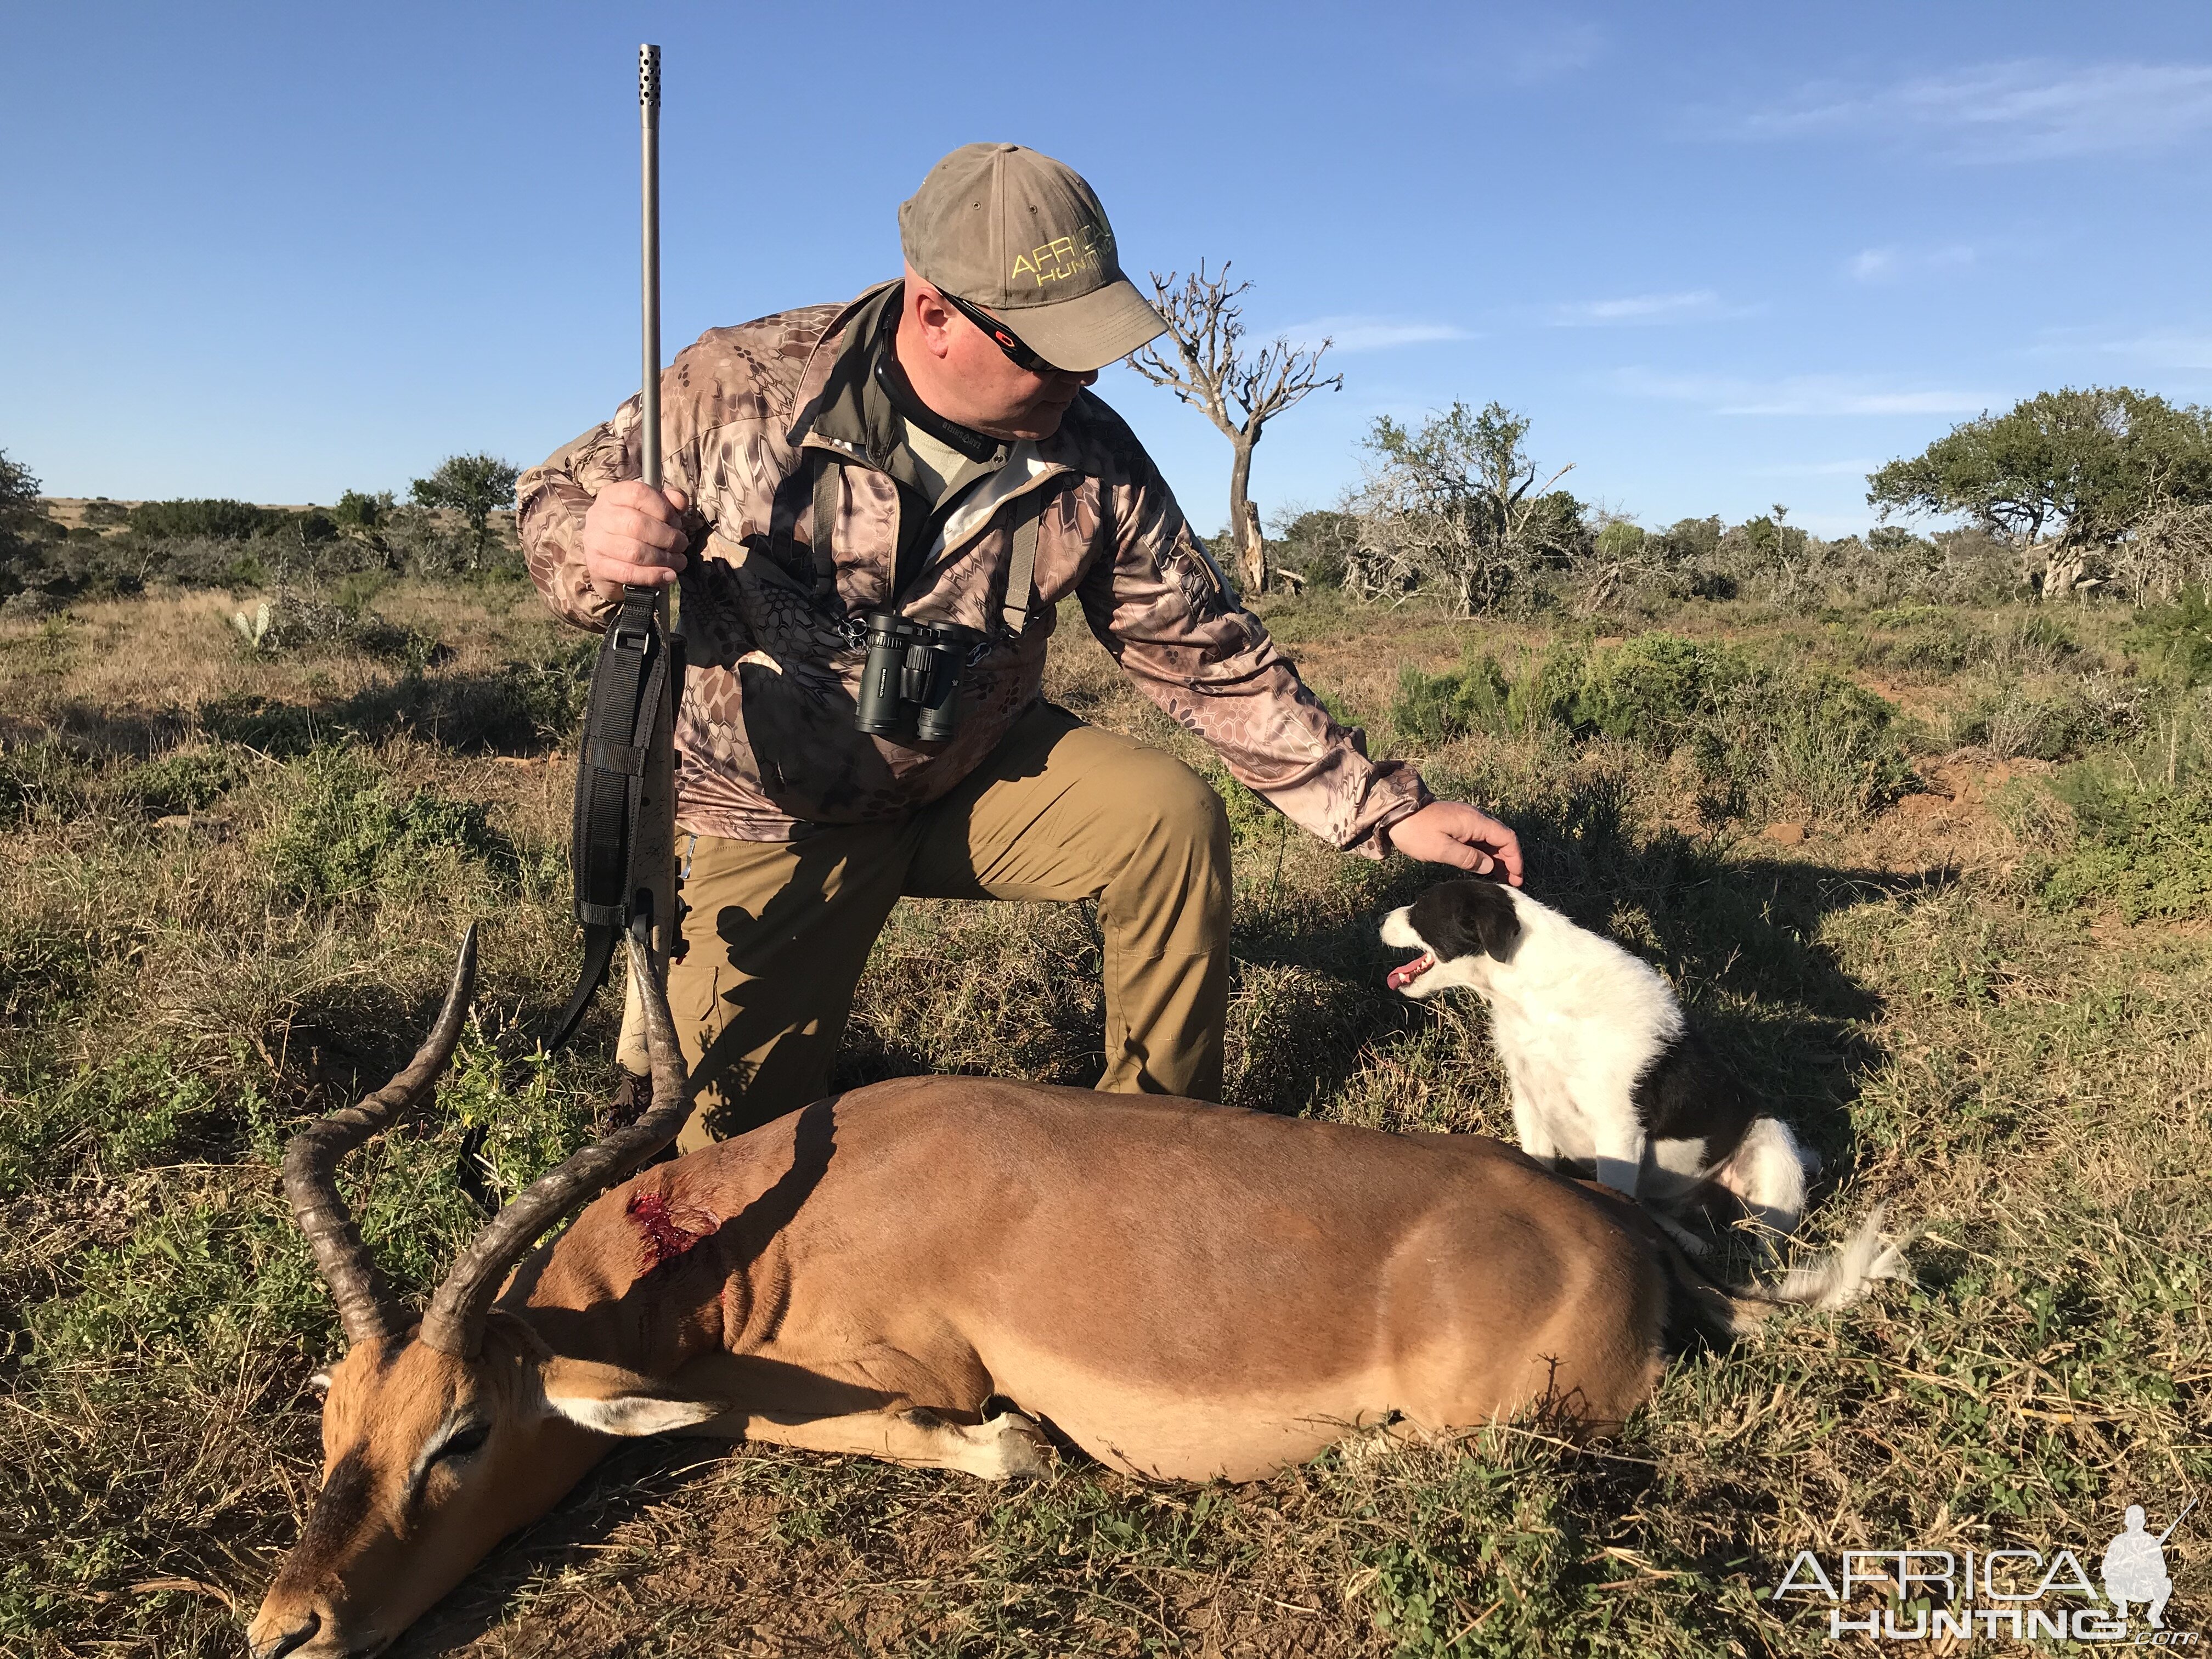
454, 1323
312, 1157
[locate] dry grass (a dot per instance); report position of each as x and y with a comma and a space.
2030, 1084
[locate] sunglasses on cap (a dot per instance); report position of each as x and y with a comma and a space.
1008, 341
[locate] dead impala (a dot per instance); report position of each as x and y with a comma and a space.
1183, 1291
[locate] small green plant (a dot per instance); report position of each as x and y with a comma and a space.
2146, 850
182, 781
349, 833
40, 773
2177, 637
1772, 737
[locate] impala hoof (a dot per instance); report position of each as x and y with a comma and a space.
1010, 1447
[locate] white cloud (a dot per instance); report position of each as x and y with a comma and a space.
1700, 305
1556, 51
1889, 265
2170, 347
1799, 394
1370, 333
1814, 470
2026, 110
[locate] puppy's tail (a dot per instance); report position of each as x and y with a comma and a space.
1836, 1280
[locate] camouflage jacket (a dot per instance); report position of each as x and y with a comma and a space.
765, 739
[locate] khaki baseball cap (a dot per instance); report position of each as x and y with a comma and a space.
1021, 235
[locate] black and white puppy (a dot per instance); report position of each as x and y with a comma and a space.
1604, 1069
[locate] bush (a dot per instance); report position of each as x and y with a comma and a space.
1769, 737
349, 834
2177, 637
36, 776
290, 622
1821, 743
219, 521
2144, 849
1928, 639
182, 782
1479, 696
1656, 690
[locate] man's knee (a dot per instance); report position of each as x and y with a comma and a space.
1182, 815
1173, 871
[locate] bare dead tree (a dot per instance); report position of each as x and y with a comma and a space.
1240, 391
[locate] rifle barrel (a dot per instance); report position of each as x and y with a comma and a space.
648, 101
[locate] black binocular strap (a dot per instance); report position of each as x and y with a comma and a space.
1021, 573
825, 523
626, 686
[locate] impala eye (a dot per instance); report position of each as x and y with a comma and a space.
466, 1443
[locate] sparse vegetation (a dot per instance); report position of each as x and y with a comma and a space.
233, 879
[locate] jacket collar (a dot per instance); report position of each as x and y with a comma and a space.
837, 406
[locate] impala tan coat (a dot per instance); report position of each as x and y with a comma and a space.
1183, 1291
946, 1272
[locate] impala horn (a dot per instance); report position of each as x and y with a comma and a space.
455, 1322
311, 1160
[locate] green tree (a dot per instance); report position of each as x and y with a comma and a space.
1457, 503
357, 510
20, 508
474, 486
19, 495
2060, 475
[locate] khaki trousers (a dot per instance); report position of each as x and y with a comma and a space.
776, 933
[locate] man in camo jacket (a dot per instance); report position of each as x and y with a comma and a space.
911, 451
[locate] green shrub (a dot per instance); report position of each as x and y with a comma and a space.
2177, 637
279, 730
1771, 738
182, 782
130, 1110
40, 773
220, 521
1826, 744
2144, 849
1927, 639
1480, 696
1658, 690
348, 833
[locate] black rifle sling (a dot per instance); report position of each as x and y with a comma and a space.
627, 688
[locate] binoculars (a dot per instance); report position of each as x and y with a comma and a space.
910, 687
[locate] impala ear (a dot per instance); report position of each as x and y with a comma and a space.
609, 1400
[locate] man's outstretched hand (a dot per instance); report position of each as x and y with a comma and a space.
634, 535
1449, 832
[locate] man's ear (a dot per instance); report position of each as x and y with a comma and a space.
612, 1401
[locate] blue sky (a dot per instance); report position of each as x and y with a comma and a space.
1722, 256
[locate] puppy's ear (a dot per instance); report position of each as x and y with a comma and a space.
1463, 917
1496, 922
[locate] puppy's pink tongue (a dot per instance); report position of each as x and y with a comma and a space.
1407, 972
